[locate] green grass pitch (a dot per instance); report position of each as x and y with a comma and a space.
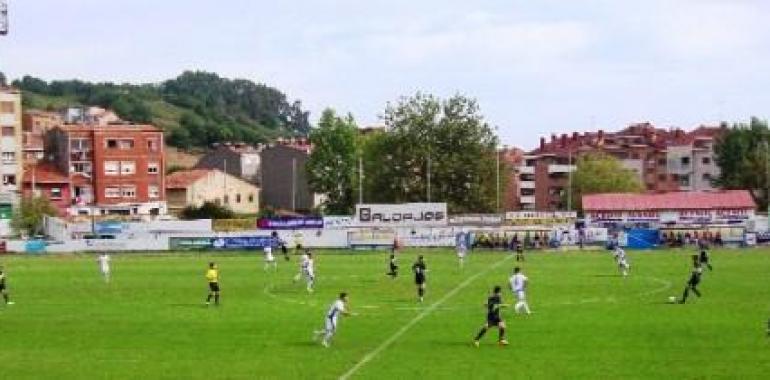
150, 322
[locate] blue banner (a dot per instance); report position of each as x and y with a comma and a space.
290, 223
228, 242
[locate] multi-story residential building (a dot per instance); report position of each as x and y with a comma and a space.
664, 160
10, 148
46, 180
113, 169
237, 159
196, 186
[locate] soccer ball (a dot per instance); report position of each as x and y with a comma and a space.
672, 299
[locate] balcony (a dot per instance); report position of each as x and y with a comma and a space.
527, 185
526, 169
560, 168
527, 199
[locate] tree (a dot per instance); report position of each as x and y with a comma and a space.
743, 158
332, 163
601, 173
447, 140
3, 79
28, 219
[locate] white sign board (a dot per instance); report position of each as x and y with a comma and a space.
406, 214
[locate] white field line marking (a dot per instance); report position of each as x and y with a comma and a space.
372, 354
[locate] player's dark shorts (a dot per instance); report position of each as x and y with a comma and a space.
693, 282
393, 268
214, 286
2, 287
493, 319
299, 247
704, 259
419, 280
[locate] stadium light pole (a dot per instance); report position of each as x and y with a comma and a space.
497, 159
360, 179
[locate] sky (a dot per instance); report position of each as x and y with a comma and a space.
535, 67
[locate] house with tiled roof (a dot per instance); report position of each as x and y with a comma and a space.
195, 186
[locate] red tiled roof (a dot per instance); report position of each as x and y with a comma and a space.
688, 200
183, 179
109, 127
45, 172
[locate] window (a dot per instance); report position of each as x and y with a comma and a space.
56, 193
684, 180
662, 161
112, 143
111, 167
153, 191
112, 192
127, 167
9, 179
7, 107
237, 198
227, 199
152, 145
152, 167
706, 160
662, 177
685, 161
80, 144
125, 144
81, 167
128, 192
251, 198
9, 156
707, 177
8, 131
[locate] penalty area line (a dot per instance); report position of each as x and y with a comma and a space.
384, 345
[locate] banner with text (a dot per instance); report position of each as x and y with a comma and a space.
406, 214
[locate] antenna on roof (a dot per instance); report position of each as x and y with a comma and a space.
3, 18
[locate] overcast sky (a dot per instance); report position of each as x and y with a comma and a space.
536, 67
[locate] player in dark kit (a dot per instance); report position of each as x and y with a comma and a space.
419, 270
519, 253
704, 258
3, 291
692, 283
494, 303
393, 267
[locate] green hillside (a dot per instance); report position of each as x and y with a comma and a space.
196, 109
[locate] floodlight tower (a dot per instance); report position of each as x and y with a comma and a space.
3, 18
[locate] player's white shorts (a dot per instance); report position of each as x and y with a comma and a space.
520, 295
624, 264
310, 276
331, 324
105, 270
461, 254
270, 259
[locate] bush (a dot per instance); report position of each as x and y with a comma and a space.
208, 210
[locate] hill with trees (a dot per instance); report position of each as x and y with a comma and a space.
195, 109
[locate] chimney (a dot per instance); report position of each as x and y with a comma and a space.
553, 138
542, 143
563, 140
575, 136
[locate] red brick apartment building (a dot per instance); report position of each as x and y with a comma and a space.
664, 160
114, 169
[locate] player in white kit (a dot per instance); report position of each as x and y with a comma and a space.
622, 260
519, 287
308, 271
302, 265
269, 258
339, 307
104, 266
462, 251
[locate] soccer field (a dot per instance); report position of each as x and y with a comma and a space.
150, 321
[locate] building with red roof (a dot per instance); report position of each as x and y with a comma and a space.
682, 207
45, 179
